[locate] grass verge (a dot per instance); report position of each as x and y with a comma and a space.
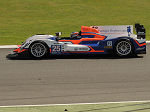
112, 107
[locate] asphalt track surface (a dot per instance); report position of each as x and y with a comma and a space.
73, 80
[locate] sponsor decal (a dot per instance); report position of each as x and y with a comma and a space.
80, 49
108, 47
84, 49
140, 48
126, 30
76, 49
129, 30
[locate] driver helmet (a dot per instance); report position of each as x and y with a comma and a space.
74, 34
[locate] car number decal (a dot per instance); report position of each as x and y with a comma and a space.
56, 49
109, 43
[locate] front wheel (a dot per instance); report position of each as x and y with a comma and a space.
124, 48
38, 49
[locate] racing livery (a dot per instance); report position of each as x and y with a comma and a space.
117, 39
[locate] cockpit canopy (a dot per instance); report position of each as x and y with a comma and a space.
86, 32
89, 32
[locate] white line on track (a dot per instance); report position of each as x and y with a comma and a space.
147, 41
43, 105
16, 46
9, 46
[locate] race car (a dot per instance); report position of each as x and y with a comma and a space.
115, 39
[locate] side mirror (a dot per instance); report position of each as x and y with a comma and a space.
58, 34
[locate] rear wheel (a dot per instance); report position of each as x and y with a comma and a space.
38, 49
124, 48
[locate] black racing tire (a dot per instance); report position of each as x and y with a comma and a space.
123, 48
39, 49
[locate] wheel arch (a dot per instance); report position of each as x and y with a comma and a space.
40, 41
124, 39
